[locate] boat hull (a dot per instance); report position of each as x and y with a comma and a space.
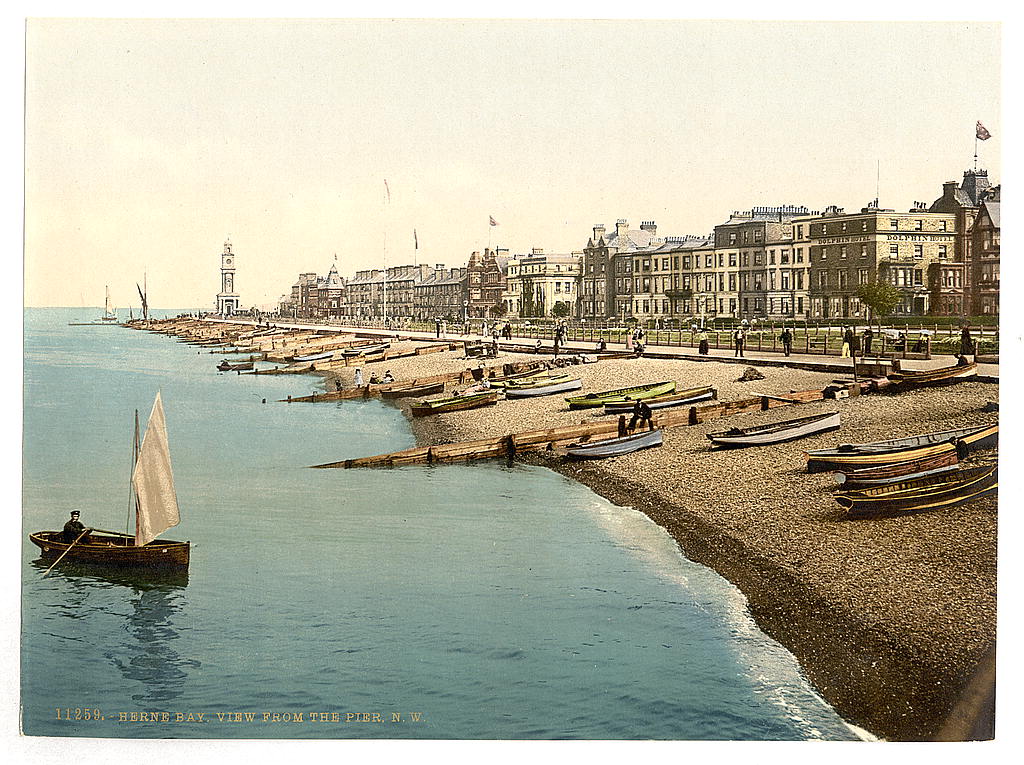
454, 404
560, 386
614, 447
947, 459
776, 433
417, 390
943, 376
921, 495
114, 551
625, 406
641, 392
901, 450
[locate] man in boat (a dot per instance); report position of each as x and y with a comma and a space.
74, 528
641, 413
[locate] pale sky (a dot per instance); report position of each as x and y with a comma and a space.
150, 142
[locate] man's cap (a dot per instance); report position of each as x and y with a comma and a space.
75, 512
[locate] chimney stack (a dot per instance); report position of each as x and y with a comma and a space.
598, 232
621, 227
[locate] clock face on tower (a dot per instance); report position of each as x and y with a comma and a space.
227, 261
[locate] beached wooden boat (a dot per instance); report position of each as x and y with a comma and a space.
942, 461
598, 399
614, 447
156, 510
920, 495
679, 398
544, 387
453, 403
413, 390
311, 357
978, 437
776, 432
227, 366
909, 378
365, 350
524, 378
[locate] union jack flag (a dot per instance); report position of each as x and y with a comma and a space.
495, 223
982, 132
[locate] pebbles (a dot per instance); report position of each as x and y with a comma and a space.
917, 593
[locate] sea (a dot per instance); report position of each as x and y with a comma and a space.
482, 601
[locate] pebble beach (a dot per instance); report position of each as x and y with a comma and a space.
888, 617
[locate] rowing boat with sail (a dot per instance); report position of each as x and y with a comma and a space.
156, 510
108, 319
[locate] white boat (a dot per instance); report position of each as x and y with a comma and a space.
315, 356
108, 319
365, 350
614, 447
556, 386
776, 432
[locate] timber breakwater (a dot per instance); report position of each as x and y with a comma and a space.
891, 618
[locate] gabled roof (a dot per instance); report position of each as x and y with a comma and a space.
992, 208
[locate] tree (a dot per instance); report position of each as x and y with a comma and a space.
560, 309
881, 298
498, 310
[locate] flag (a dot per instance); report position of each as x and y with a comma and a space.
415, 239
982, 132
389, 190
495, 223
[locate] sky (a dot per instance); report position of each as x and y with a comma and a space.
149, 143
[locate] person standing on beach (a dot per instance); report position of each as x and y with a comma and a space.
738, 338
966, 342
848, 340
359, 377
787, 340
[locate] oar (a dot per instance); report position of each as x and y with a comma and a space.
66, 552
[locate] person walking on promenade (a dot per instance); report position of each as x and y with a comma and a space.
738, 337
868, 336
508, 330
702, 342
967, 342
444, 329
848, 340
787, 340
437, 327
629, 341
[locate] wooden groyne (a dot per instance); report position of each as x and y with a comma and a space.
550, 438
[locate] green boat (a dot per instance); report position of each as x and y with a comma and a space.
454, 403
523, 379
592, 400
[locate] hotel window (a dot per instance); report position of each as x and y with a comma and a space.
721, 259
822, 279
799, 255
863, 250
863, 225
800, 231
824, 229
894, 250
784, 256
758, 235
894, 224
785, 280
675, 262
862, 276
942, 252
917, 225
771, 257
758, 257
732, 259
918, 251
843, 228
842, 279
708, 260
746, 237
732, 238
942, 225
664, 264
824, 253
842, 252
732, 282
918, 276
686, 261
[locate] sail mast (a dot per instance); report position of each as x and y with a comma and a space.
156, 502
131, 486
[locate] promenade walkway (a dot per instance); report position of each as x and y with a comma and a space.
754, 358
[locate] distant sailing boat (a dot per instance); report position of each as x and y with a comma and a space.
156, 510
108, 319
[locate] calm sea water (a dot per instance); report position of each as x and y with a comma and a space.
453, 602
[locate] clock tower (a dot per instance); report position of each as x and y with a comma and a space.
227, 298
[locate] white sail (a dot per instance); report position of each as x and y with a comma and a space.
108, 312
154, 482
